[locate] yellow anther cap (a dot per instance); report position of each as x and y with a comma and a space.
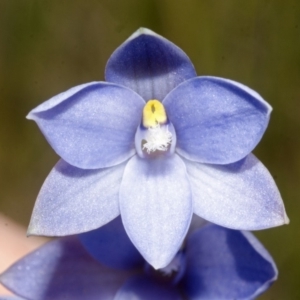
154, 114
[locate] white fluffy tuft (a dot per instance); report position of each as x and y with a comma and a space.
157, 138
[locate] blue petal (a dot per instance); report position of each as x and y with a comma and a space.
149, 64
91, 126
10, 298
156, 206
216, 120
226, 264
74, 200
242, 195
144, 288
111, 246
62, 269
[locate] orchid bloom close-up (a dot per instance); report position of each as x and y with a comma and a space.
155, 143
215, 263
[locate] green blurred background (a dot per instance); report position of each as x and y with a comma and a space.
47, 47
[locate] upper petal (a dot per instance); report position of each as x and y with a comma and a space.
226, 264
91, 126
149, 64
111, 246
74, 200
217, 121
145, 288
242, 195
60, 270
156, 206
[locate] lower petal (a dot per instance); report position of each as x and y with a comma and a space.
62, 269
226, 264
144, 288
241, 195
111, 246
156, 206
74, 200
11, 298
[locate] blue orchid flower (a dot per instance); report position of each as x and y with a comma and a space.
155, 143
215, 263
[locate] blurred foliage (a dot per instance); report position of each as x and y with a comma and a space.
48, 46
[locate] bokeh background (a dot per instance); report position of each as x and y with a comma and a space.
49, 46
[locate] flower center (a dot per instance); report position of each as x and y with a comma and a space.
156, 134
157, 138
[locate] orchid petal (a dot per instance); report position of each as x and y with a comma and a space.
111, 246
242, 195
156, 206
149, 64
217, 121
91, 126
11, 298
144, 288
62, 269
226, 264
74, 200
